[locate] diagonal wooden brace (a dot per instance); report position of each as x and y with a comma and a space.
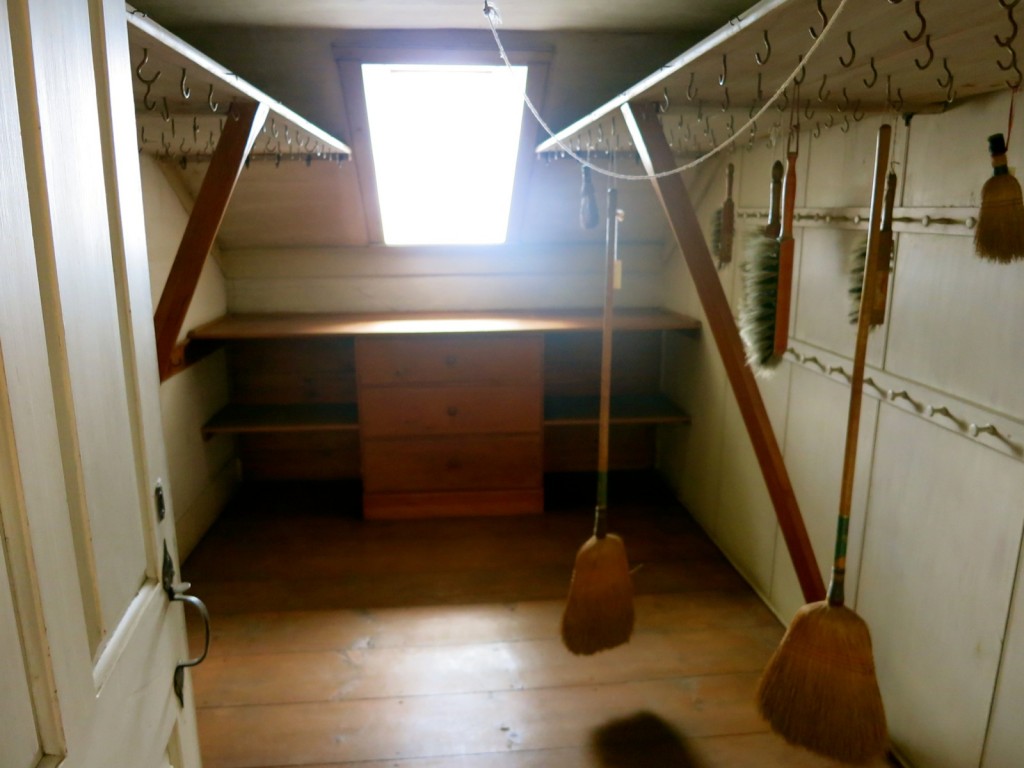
240, 130
656, 156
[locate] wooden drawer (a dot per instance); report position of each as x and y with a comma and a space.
449, 358
465, 463
458, 409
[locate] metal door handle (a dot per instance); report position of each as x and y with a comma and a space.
177, 593
179, 670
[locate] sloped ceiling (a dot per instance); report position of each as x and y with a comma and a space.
288, 49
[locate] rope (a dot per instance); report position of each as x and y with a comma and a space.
494, 18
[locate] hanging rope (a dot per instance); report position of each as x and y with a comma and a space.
494, 18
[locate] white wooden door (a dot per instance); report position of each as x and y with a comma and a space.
90, 637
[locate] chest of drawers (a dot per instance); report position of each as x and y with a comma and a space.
451, 425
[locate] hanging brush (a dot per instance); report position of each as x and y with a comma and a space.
999, 234
819, 689
762, 279
598, 614
858, 258
723, 226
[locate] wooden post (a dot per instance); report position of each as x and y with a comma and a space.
240, 129
656, 156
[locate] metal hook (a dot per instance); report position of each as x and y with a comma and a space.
803, 72
665, 103
822, 93
150, 106
185, 90
785, 102
949, 76
845, 128
1013, 60
1020, 75
725, 71
808, 112
1013, 23
853, 52
870, 382
904, 395
924, 24
732, 125
1002, 3
726, 103
182, 147
888, 94
824, 22
691, 92
992, 429
815, 361
931, 54
874, 75
932, 411
846, 101
830, 121
165, 113
214, 106
817, 130
762, 60
858, 113
840, 370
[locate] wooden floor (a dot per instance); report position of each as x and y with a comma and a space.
434, 644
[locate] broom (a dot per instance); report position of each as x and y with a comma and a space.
858, 258
819, 689
999, 234
724, 225
758, 312
599, 611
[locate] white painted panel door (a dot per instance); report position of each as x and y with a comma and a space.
80, 437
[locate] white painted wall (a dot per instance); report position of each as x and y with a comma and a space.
935, 547
202, 473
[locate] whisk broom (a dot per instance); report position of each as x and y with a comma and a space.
598, 614
760, 307
819, 689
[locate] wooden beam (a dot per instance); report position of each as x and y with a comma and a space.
656, 156
240, 130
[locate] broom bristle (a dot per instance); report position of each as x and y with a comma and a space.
819, 690
760, 296
999, 233
857, 262
716, 232
599, 612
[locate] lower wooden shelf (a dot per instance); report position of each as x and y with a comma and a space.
297, 417
625, 409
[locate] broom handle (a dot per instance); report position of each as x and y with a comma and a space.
786, 247
604, 409
836, 594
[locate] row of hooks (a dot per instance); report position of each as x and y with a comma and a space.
931, 411
925, 220
151, 104
196, 143
824, 106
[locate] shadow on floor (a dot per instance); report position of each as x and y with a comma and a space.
641, 741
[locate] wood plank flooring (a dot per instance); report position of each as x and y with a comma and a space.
434, 643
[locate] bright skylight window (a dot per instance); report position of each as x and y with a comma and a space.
445, 141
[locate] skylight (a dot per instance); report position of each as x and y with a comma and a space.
445, 140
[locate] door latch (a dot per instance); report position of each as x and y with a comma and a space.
177, 593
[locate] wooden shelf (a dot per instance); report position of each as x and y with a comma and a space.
296, 325
625, 409
298, 417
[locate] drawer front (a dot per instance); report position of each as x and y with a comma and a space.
467, 463
393, 411
440, 359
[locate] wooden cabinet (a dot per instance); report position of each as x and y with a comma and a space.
452, 414
451, 425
